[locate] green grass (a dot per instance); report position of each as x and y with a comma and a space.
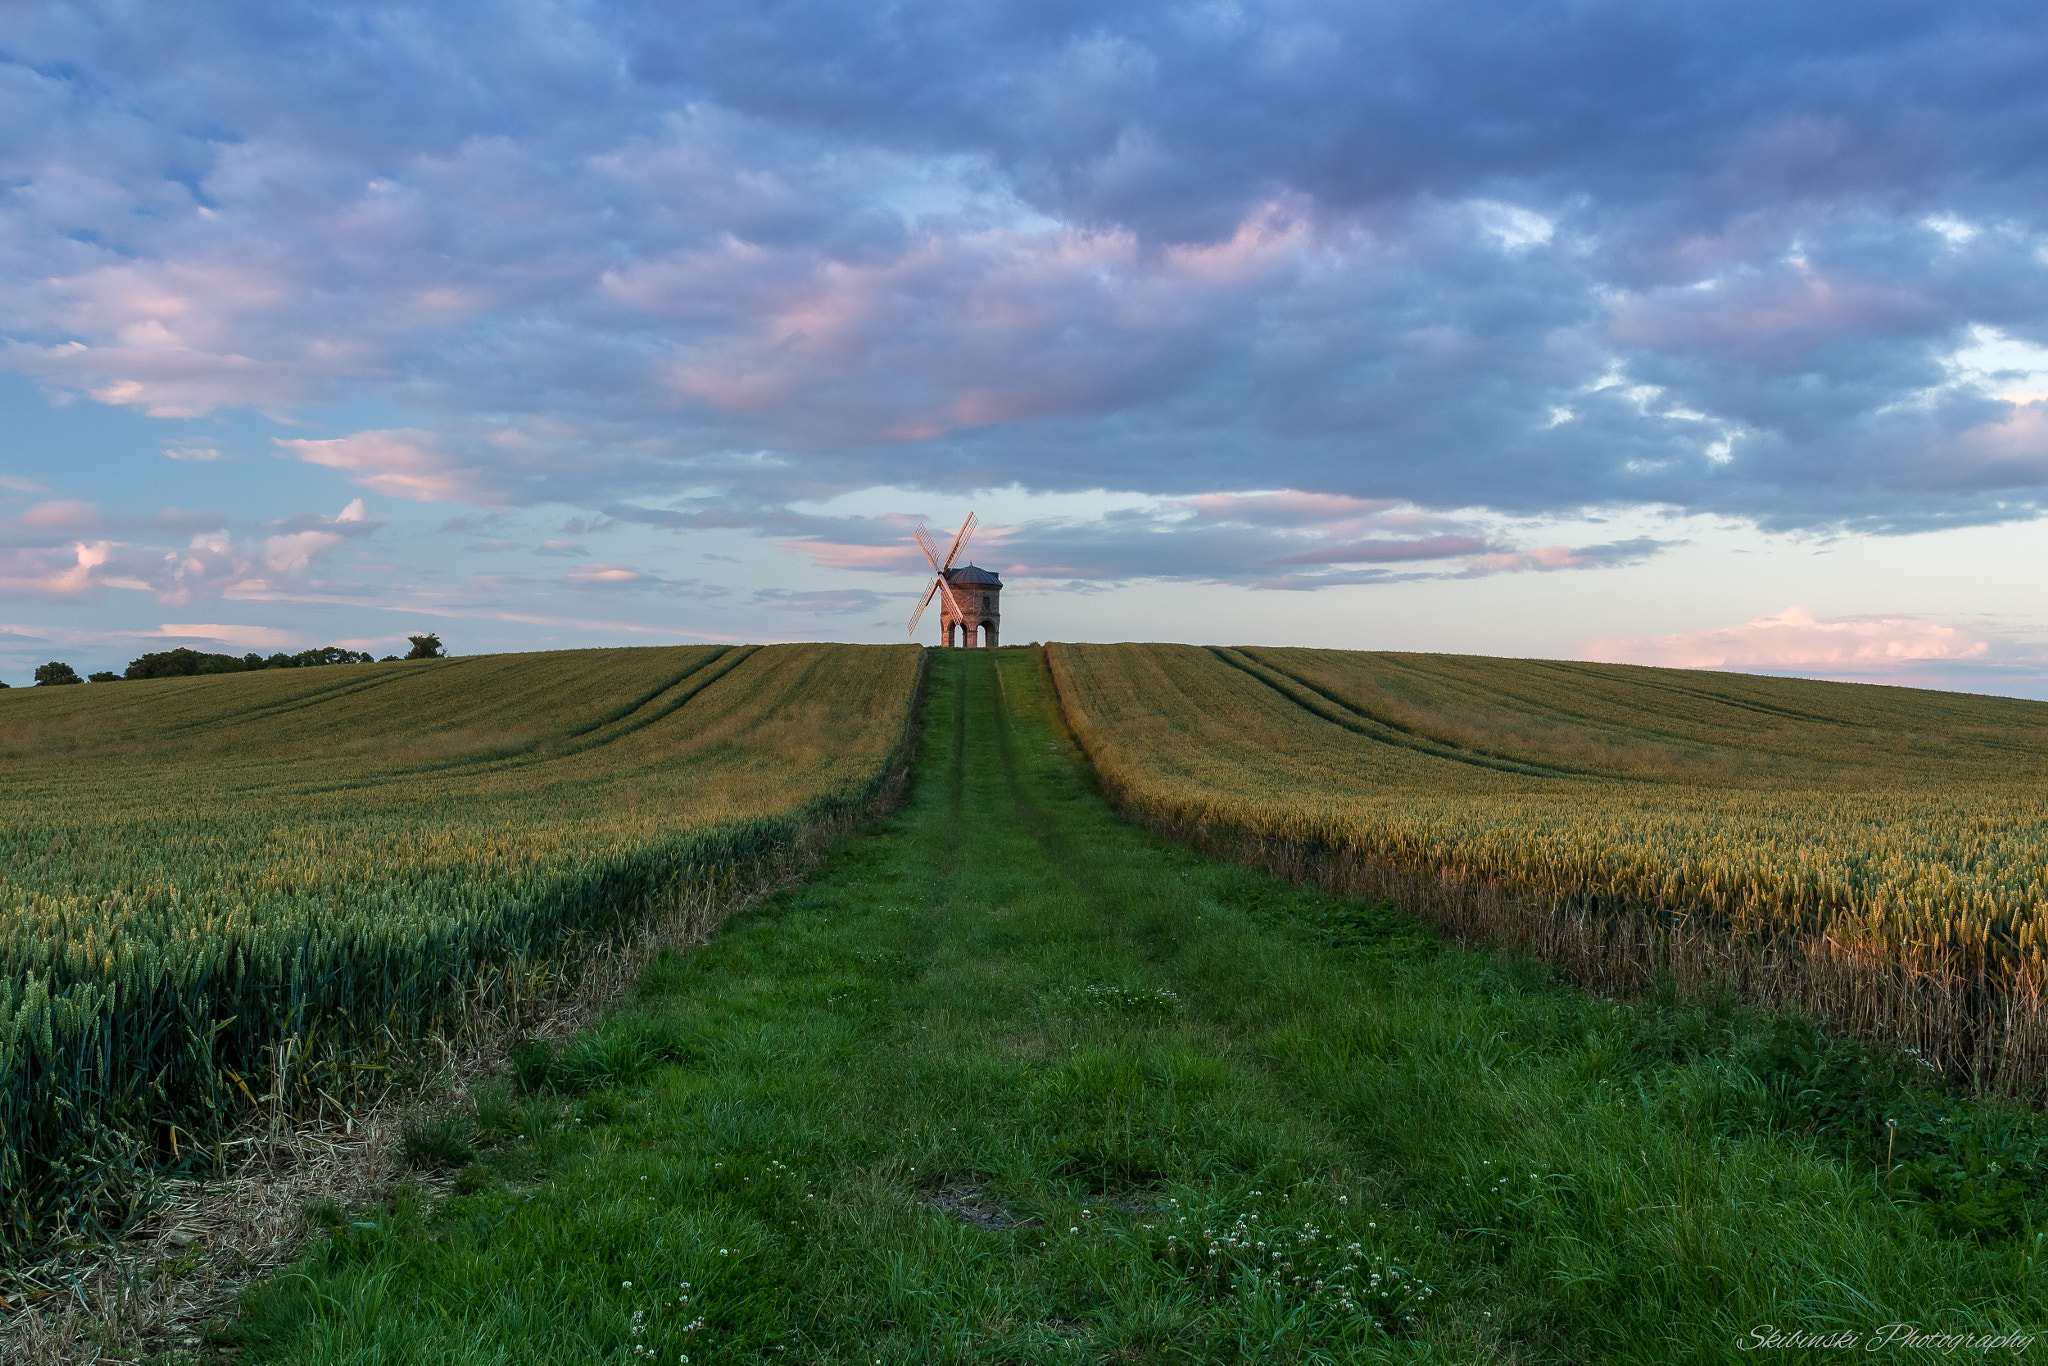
995, 1081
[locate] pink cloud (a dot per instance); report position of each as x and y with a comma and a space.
163, 381
180, 337
2015, 449
1542, 559
1796, 639
1267, 241
295, 551
206, 566
44, 571
836, 555
1777, 315
400, 464
602, 574
953, 332
66, 515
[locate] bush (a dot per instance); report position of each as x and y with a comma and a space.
54, 673
426, 647
103, 676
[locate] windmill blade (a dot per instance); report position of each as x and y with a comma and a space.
930, 547
930, 589
951, 601
966, 530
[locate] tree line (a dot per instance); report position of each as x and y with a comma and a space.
184, 663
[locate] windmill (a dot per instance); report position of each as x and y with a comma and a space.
975, 606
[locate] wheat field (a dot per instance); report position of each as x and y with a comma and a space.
222, 896
1873, 855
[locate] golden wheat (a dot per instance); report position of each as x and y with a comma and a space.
223, 892
1887, 847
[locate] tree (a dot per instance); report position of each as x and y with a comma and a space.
182, 663
326, 654
56, 672
103, 676
426, 647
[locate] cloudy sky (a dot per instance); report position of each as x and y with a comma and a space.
1710, 335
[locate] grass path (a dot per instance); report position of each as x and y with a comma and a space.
1008, 1081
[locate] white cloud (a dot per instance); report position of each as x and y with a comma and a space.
2000, 365
1515, 228
1949, 226
294, 552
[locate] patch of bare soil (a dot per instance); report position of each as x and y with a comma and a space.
972, 1205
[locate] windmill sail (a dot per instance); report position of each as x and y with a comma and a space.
940, 569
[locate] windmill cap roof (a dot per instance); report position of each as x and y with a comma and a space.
970, 574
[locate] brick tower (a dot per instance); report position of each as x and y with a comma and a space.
975, 601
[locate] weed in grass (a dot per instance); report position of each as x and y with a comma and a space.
1118, 1000
496, 1116
437, 1141
532, 1062
618, 1052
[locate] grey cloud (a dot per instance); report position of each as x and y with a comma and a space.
1550, 559
841, 602
1538, 260
352, 528
1241, 541
183, 521
486, 524
1388, 551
